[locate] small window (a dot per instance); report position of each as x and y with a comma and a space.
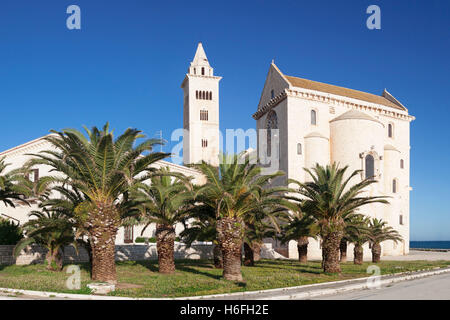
401, 219
128, 234
299, 148
390, 130
394, 186
272, 94
210, 95
402, 164
313, 117
203, 71
33, 175
204, 143
370, 166
195, 71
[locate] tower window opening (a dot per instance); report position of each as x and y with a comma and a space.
394, 186
272, 94
203, 71
402, 164
204, 115
401, 219
204, 143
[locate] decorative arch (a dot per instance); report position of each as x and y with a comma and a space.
313, 117
370, 165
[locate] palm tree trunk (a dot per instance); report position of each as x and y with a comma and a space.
248, 255
302, 248
376, 252
103, 254
257, 250
165, 239
358, 254
230, 235
217, 254
330, 250
54, 259
343, 250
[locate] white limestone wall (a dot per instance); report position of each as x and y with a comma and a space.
317, 151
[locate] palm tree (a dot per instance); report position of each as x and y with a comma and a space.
53, 231
200, 225
10, 193
300, 227
104, 170
346, 238
329, 198
166, 202
358, 234
232, 191
255, 233
379, 231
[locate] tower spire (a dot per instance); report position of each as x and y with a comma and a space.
200, 65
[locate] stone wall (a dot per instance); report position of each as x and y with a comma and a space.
36, 254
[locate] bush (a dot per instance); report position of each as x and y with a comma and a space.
10, 232
140, 240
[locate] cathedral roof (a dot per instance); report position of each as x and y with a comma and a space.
386, 99
355, 114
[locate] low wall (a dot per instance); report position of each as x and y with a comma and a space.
36, 254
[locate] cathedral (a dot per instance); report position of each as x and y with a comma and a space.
313, 123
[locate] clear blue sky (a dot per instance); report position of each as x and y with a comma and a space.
127, 63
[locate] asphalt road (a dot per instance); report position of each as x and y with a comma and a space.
429, 288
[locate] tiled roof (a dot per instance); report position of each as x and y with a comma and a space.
341, 91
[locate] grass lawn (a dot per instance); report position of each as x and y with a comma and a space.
198, 277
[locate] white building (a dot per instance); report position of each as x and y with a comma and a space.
322, 123
317, 123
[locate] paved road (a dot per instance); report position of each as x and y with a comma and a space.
430, 288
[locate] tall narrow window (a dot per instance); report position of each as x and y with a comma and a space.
271, 123
370, 166
402, 164
272, 94
394, 186
203, 71
210, 95
204, 143
195, 71
299, 148
401, 219
390, 130
313, 117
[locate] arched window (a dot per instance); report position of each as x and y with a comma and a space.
370, 166
390, 130
299, 149
313, 117
400, 219
394, 186
203, 71
271, 123
210, 95
195, 71
402, 164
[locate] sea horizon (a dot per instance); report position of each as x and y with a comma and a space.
429, 244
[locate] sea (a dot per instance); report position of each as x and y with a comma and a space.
429, 244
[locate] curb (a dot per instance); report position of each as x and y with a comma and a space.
316, 289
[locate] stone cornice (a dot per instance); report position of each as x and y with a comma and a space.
331, 100
25, 148
188, 75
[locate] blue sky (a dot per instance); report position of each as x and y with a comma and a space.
127, 62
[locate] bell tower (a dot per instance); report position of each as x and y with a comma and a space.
201, 111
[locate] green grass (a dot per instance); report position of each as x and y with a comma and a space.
141, 278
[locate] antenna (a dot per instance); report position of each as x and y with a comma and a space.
160, 136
